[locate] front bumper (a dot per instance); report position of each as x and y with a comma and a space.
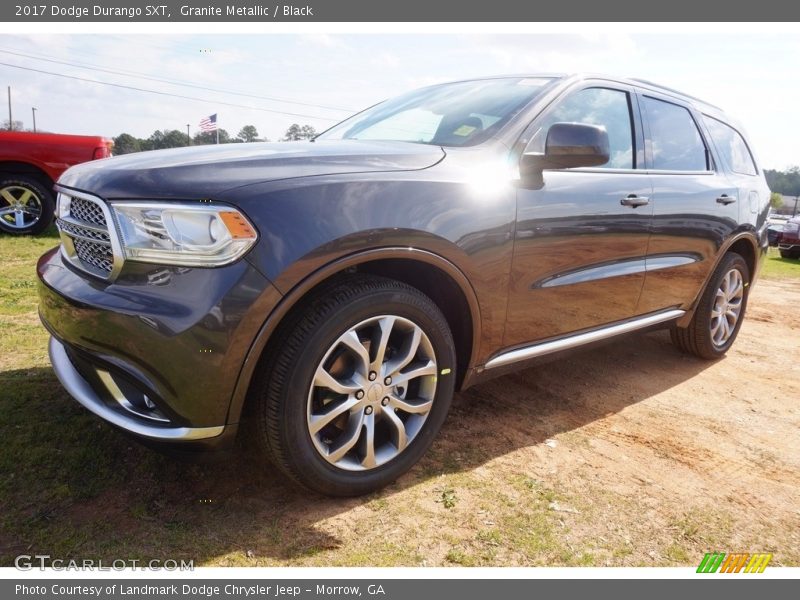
80, 389
158, 352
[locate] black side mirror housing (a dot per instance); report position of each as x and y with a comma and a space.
569, 145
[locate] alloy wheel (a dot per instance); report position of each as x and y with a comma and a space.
20, 207
727, 307
372, 392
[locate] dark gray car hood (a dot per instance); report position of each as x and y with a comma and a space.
203, 171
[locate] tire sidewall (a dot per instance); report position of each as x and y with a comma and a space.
45, 198
319, 473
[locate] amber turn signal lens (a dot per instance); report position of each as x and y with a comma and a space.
237, 226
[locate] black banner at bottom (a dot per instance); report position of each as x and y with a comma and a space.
733, 587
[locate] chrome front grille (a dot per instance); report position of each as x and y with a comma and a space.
86, 238
97, 254
87, 211
76, 231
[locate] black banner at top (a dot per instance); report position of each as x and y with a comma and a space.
440, 11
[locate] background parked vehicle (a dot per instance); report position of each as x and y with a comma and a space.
789, 241
29, 165
774, 233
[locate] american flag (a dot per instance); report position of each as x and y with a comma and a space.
209, 123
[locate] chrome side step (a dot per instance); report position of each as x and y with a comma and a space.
573, 341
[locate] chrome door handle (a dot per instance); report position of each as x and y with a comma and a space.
725, 199
634, 201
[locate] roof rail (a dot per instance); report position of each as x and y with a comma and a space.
673, 91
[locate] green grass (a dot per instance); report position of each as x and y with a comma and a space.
776, 267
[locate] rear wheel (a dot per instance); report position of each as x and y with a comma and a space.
790, 253
26, 205
359, 387
719, 315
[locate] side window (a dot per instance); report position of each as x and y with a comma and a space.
731, 146
675, 141
595, 106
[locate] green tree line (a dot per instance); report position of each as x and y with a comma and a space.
784, 182
125, 143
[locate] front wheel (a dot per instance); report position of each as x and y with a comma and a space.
358, 388
26, 205
790, 253
720, 313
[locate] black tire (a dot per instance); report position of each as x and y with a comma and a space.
696, 339
15, 185
790, 254
281, 397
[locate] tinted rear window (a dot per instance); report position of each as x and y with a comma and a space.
731, 146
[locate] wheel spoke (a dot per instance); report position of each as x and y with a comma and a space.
715, 327
369, 442
317, 422
399, 436
8, 196
324, 379
7, 211
420, 408
348, 439
407, 353
386, 324
350, 339
25, 196
19, 219
428, 368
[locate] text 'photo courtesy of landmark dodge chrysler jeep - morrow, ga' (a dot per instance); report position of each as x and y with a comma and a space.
327, 298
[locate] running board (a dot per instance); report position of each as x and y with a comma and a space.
573, 341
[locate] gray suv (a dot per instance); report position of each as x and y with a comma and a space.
327, 298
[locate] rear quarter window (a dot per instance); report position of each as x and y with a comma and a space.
731, 146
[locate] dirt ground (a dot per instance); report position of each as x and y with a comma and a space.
630, 454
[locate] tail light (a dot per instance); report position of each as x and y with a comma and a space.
103, 151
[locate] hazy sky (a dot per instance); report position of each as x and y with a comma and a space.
753, 77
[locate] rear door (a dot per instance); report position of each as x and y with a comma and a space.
695, 205
581, 237
740, 165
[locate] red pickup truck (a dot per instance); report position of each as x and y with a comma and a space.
29, 165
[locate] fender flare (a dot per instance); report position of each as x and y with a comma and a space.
299, 291
749, 236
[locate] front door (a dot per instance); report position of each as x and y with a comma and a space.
581, 237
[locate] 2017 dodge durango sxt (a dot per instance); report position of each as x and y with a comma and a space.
329, 297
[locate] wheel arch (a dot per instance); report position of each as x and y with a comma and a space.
746, 245
15, 167
429, 272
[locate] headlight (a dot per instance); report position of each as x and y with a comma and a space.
180, 234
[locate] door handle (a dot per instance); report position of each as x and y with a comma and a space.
634, 201
725, 199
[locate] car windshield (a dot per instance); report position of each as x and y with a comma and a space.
454, 114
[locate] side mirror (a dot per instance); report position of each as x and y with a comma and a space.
569, 145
